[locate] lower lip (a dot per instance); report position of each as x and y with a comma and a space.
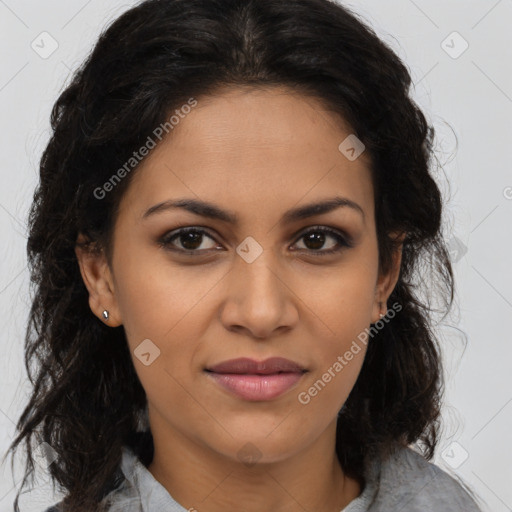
257, 387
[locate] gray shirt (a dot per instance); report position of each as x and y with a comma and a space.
403, 482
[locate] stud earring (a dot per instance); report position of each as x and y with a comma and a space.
105, 314
380, 307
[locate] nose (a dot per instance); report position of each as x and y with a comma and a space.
259, 300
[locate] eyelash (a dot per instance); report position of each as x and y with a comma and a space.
344, 242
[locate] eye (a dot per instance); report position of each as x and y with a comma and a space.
191, 240
315, 239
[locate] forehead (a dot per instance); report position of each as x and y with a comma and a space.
254, 149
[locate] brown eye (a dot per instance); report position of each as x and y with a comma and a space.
190, 239
316, 238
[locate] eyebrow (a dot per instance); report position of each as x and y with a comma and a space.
210, 210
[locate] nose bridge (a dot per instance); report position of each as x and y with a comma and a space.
257, 271
257, 296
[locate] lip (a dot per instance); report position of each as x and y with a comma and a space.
251, 366
257, 380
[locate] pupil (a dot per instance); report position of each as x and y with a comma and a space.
318, 240
191, 238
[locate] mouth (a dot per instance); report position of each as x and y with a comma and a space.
257, 380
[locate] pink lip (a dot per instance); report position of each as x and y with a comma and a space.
257, 380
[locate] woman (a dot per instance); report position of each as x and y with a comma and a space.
234, 215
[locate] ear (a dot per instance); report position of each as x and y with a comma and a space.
98, 280
387, 281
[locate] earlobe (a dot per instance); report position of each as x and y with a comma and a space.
97, 278
387, 282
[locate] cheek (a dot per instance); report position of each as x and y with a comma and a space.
170, 307
342, 300
323, 394
343, 306
338, 360
155, 296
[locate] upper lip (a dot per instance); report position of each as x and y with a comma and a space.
268, 366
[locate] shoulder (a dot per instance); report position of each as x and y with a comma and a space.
407, 479
122, 496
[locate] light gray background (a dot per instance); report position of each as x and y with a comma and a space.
468, 98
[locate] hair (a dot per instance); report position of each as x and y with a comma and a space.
86, 400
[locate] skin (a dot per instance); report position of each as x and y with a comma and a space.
290, 301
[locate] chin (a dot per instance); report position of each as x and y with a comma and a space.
258, 448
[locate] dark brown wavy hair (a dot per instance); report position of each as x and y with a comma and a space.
87, 400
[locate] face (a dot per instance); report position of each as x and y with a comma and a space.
255, 282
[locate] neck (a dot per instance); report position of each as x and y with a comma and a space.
200, 479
